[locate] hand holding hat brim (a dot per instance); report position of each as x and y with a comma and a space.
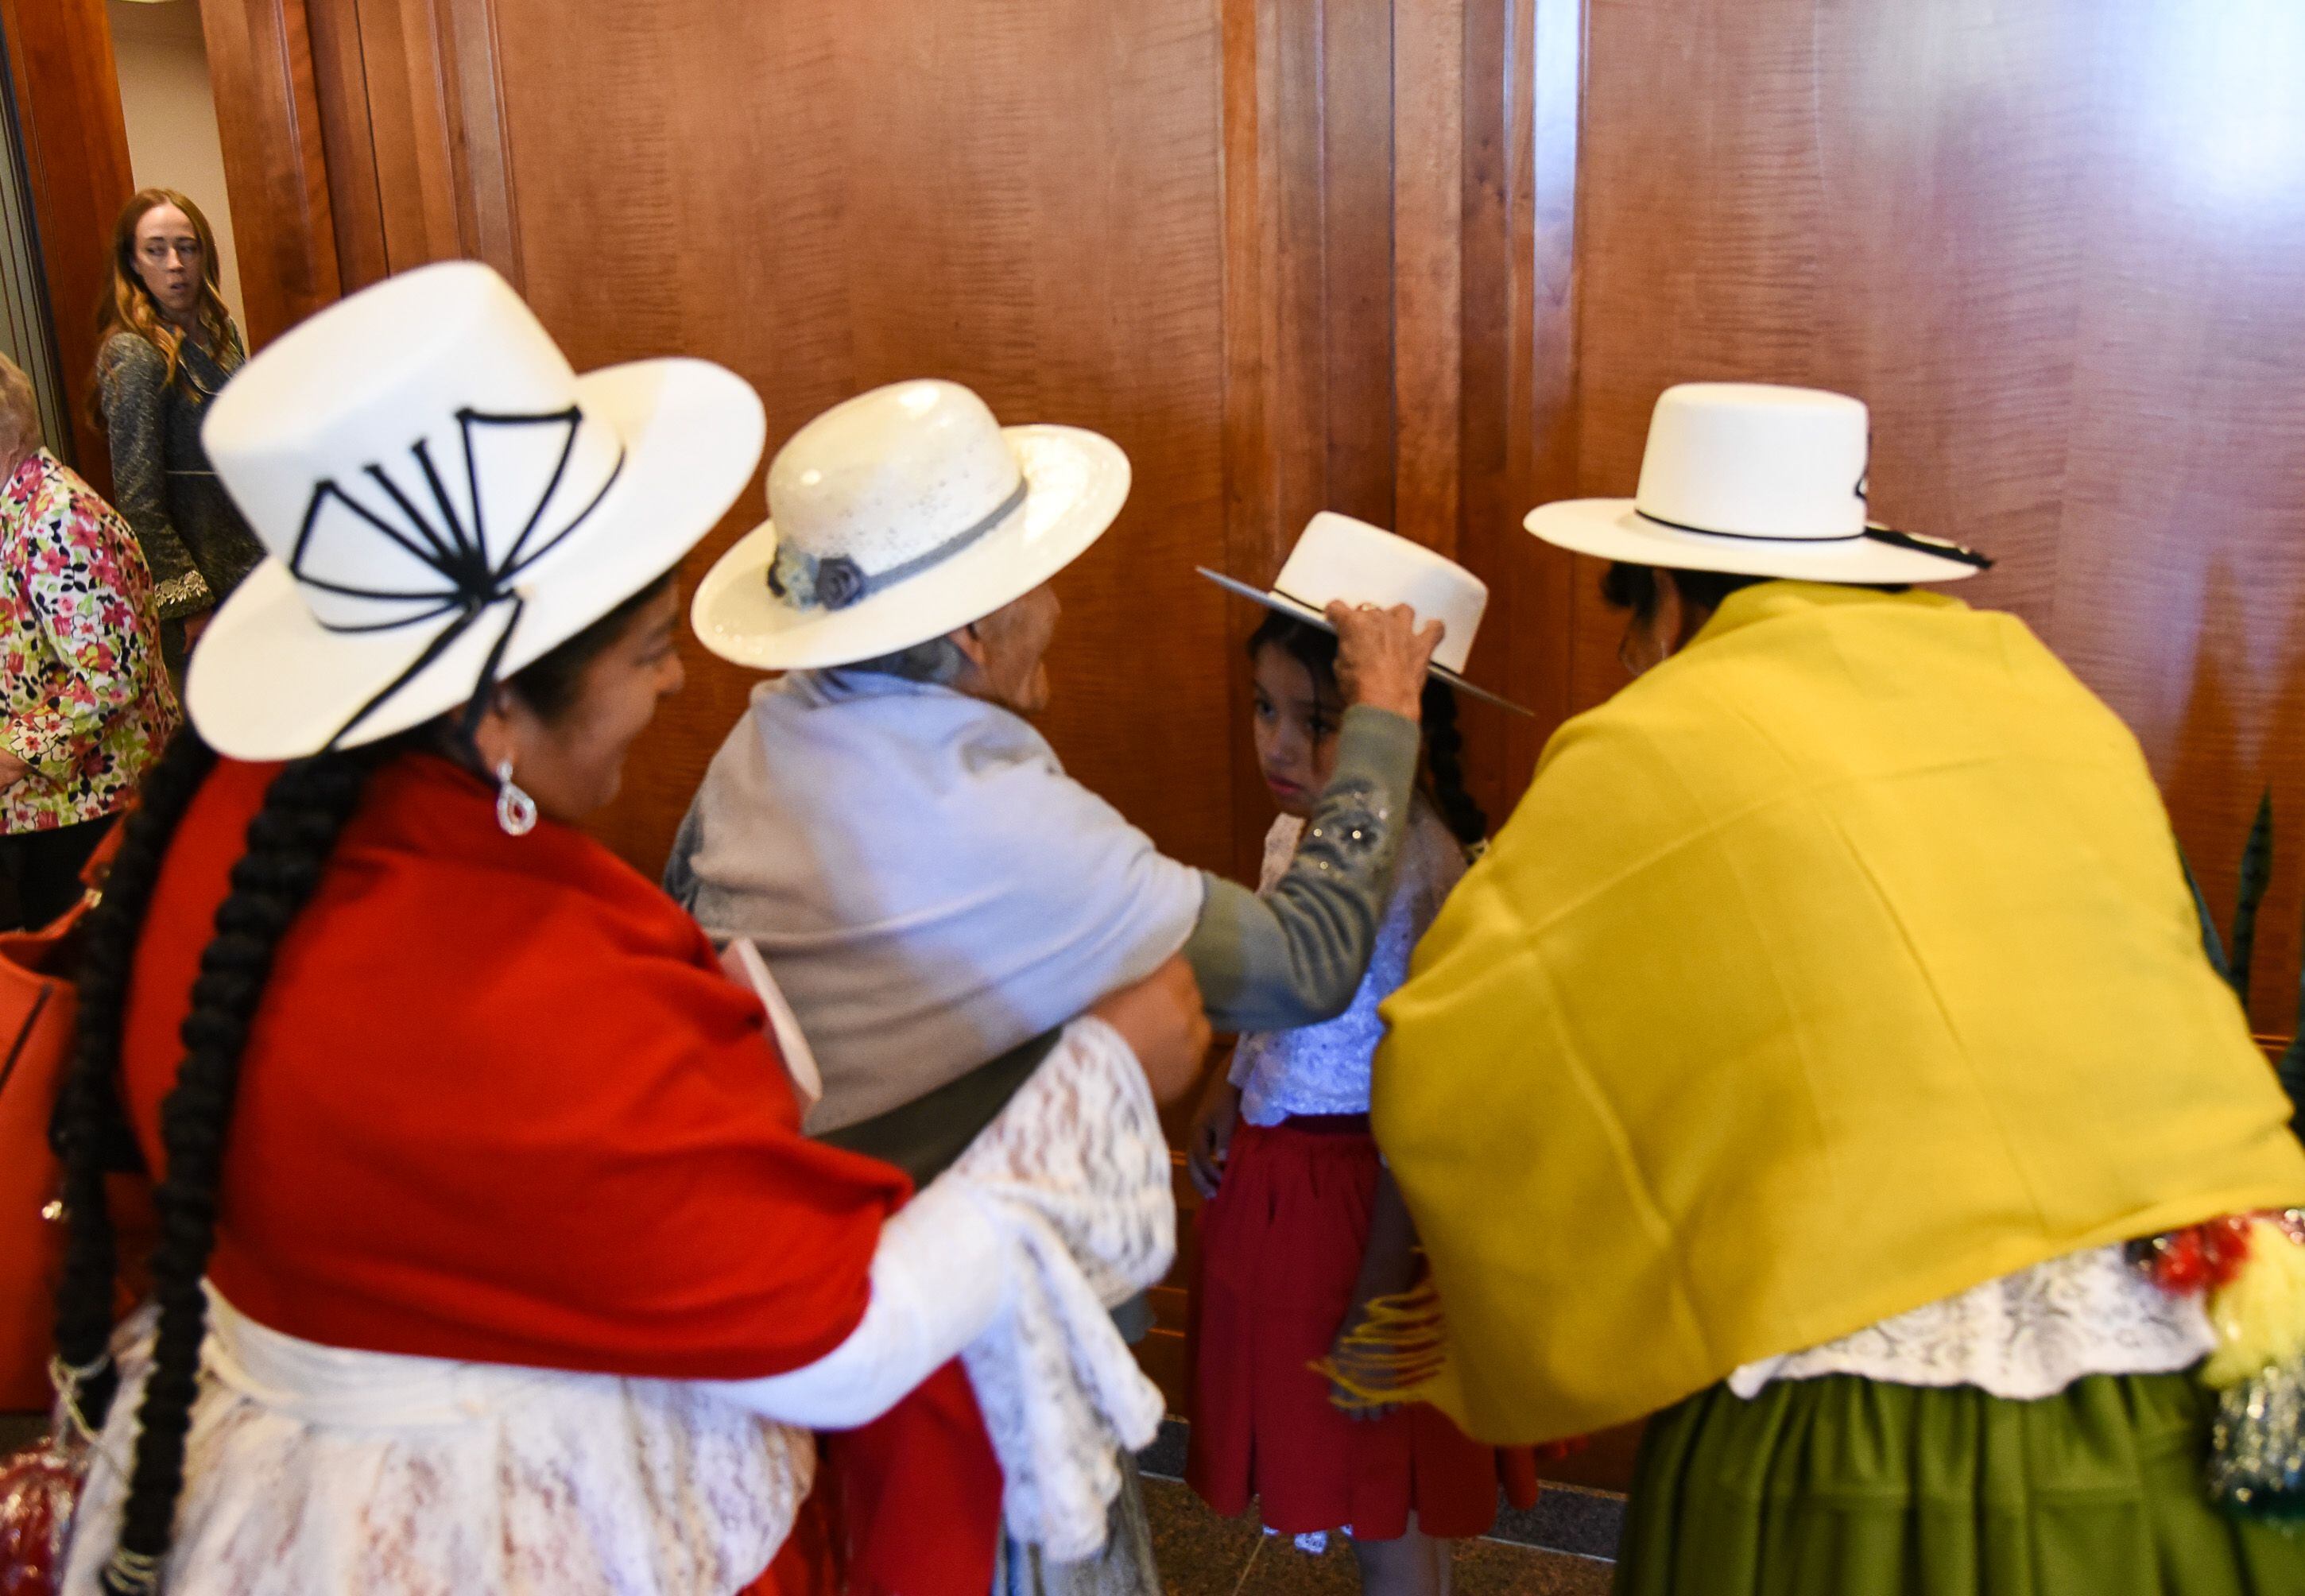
1306, 613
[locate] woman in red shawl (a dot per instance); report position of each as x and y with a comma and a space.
491, 1257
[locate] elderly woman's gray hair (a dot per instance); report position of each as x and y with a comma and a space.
938, 660
20, 413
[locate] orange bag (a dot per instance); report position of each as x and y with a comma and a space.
37, 1011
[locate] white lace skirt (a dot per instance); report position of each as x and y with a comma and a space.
313, 1468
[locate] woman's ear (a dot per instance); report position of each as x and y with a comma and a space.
496, 736
970, 641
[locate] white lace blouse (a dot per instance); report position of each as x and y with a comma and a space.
1325, 1068
2025, 1336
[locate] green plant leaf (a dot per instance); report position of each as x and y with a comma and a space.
2290, 1067
2212, 946
2256, 876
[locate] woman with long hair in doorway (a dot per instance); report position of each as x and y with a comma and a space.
166, 345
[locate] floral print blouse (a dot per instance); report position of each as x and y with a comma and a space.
83, 698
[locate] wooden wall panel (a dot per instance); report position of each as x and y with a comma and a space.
1429, 84
1523, 75
410, 109
268, 118
75, 142
2030, 236
1023, 196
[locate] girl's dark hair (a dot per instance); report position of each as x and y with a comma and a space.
289, 844
1316, 648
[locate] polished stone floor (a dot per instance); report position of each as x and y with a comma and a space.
1203, 1554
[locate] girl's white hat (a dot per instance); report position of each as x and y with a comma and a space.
1336, 557
1755, 481
897, 516
444, 500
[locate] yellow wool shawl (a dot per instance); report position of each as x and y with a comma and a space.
1837, 965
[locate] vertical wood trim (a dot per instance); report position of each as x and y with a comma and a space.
1248, 278
1356, 193
488, 218
1519, 348
1252, 354
76, 156
410, 103
348, 140
408, 129
1297, 203
276, 166
1547, 453
1429, 68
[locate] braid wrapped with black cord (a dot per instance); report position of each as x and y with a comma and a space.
90, 1131
289, 843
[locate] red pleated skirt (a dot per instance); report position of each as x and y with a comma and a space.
1280, 1253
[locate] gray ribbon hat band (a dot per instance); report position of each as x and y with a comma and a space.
836, 581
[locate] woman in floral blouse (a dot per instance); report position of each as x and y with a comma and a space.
84, 704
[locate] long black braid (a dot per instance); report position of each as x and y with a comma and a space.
289, 843
92, 1133
1444, 763
1316, 648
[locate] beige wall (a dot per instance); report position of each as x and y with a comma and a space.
170, 109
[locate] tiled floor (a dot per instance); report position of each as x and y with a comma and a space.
1203, 1554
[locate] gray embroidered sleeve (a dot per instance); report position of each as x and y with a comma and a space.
132, 378
1296, 955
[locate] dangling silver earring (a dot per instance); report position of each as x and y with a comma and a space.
515, 810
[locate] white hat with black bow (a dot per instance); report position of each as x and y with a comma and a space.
445, 500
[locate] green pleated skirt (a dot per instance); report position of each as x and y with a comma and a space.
1849, 1487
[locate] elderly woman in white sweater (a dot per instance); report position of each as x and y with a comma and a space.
936, 896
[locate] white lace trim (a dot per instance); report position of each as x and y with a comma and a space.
1076, 1169
2025, 1336
318, 1468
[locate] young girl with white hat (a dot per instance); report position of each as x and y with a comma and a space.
1303, 1227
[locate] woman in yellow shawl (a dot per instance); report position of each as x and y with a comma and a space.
1803, 1055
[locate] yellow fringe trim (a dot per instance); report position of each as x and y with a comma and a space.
1396, 1349
2259, 1314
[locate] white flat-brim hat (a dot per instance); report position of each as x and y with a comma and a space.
1337, 558
445, 501
1755, 481
900, 515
